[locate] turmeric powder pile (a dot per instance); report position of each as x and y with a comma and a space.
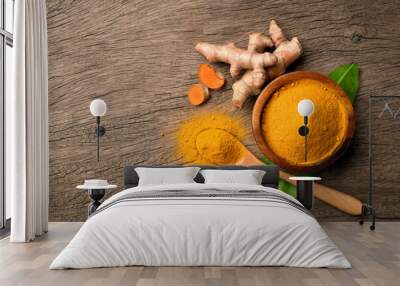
210, 138
327, 124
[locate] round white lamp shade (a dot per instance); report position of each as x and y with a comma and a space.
305, 107
98, 107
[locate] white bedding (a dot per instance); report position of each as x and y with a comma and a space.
200, 231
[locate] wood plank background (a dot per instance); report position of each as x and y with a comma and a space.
139, 57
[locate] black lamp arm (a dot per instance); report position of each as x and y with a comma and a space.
303, 131
100, 131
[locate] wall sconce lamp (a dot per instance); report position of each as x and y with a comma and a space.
98, 108
305, 108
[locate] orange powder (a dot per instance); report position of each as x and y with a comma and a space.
327, 124
210, 138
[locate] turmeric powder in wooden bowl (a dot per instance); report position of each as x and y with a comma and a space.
276, 121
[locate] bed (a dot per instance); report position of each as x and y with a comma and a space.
199, 224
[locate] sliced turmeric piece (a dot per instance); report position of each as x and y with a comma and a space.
198, 94
210, 77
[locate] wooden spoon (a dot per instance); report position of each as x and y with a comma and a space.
339, 200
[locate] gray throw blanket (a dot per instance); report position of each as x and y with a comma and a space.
205, 194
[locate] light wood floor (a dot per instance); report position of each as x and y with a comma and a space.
375, 257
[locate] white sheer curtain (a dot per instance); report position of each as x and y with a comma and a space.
27, 124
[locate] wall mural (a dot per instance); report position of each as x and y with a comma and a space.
140, 57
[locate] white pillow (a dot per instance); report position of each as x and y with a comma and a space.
165, 176
247, 177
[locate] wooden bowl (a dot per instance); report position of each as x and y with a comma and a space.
266, 95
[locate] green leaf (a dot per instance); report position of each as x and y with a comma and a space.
283, 185
347, 76
287, 188
266, 160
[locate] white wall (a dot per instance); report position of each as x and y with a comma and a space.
8, 94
